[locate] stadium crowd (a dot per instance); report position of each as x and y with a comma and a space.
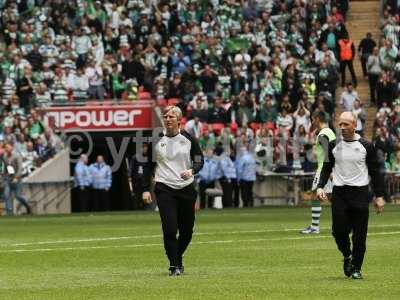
261, 67
243, 72
383, 71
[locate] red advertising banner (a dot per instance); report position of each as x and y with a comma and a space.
117, 117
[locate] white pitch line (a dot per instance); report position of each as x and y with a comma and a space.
159, 236
195, 243
140, 237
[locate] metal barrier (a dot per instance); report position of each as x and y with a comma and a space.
282, 188
392, 186
48, 197
290, 188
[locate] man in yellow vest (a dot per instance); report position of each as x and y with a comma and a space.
346, 54
325, 136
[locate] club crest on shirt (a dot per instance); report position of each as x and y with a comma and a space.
162, 144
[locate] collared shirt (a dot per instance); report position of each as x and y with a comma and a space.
351, 164
347, 99
246, 167
101, 176
82, 175
226, 167
209, 171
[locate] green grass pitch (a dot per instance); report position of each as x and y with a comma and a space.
235, 254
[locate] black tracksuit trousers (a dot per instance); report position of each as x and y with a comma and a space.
350, 214
177, 212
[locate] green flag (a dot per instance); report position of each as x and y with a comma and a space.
234, 45
90, 10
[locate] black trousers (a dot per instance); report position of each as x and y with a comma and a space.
83, 199
373, 82
236, 192
246, 191
364, 59
349, 64
100, 200
227, 190
177, 212
350, 215
204, 200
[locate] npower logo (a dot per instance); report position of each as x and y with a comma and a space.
102, 118
99, 118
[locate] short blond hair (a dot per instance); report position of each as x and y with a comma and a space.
175, 110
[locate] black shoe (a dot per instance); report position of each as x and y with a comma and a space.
356, 274
174, 271
347, 266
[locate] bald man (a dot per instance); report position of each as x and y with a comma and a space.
351, 161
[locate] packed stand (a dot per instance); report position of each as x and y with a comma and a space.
241, 71
30, 139
383, 70
382, 67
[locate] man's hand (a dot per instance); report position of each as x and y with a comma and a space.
321, 195
146, 196
379, 203
186, 174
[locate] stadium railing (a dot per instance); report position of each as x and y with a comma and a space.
392, 186
48, 197
273, 188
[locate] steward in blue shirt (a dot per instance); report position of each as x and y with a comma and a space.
226, 173
101, 183
246, 167
82, 179
207, 177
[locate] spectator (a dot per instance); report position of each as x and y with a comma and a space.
268, 112
25, 90
302, 118
194, 127
226, 174
374, 70
207, 140
44, 151
83, 181
348, 97
30, 159
199, 107
347, 53
384, 145
81, 44
217, 114
264, 151
94, 75
101, 183
385, 90
365, 49
246, 174
13, 186
331, 37
80, 86
395, 164
285, 123
208, 78
207, 177
42, 96
361, 116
